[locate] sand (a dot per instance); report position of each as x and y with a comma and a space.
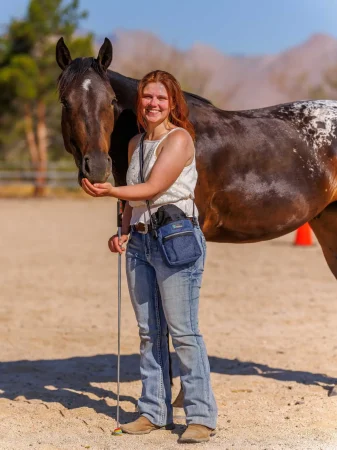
268, 316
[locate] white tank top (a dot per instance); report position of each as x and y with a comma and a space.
181, 192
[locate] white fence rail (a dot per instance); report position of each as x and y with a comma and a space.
54, 178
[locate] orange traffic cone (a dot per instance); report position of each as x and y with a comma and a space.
303, 235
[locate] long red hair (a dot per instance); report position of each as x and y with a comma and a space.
179, 113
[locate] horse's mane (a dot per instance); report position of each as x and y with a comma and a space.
78, 68
198, 97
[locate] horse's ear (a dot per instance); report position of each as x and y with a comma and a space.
63, 57
105, 54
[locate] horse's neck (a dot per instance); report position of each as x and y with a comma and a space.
125, 89
125, 125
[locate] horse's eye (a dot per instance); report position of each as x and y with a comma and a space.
113, 101
65, 104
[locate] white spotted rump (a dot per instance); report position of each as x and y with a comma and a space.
316, 121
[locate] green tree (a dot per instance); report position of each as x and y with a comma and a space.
28, 71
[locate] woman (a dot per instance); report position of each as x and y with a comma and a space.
163, 297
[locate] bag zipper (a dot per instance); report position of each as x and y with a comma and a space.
181, 233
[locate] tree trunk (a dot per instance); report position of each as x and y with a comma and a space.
30, 136
42, 146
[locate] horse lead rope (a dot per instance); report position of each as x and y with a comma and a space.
117, 430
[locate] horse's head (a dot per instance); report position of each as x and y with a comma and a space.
88, 103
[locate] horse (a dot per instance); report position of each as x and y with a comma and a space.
262, 173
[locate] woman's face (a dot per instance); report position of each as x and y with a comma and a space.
155, 103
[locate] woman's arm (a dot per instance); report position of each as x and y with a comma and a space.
172, 159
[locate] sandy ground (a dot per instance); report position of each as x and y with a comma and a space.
268, 315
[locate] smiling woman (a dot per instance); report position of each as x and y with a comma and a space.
164, 290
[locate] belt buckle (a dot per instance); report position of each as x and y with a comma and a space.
146, 229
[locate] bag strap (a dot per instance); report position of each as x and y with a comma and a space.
141, 166
194, 219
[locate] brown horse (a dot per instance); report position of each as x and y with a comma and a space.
262, 173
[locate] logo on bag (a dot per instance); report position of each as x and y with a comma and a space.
177, 225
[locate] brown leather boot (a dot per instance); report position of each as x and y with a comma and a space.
195, 433
143, 426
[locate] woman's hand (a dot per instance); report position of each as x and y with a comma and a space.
98, 189
116, 244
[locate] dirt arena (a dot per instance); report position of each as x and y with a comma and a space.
268, 315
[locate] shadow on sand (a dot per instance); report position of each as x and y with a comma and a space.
68, 381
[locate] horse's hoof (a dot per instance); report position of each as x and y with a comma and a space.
333, 392
179, 401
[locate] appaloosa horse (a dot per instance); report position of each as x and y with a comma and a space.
262, 172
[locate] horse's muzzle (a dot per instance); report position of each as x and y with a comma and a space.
96, 166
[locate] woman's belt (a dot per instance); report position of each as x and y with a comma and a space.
144, 228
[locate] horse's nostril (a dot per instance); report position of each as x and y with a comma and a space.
86, 164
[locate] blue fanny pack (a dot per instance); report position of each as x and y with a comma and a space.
178, 243
174, 231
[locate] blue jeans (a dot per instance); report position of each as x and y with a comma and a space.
166, 298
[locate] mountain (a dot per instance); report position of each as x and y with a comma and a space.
232, 82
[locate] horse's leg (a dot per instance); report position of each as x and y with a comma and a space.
170, 359
179, 401
325, 229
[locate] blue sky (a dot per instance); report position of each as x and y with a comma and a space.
246, 27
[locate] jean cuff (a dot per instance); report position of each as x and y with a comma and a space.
207, 422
